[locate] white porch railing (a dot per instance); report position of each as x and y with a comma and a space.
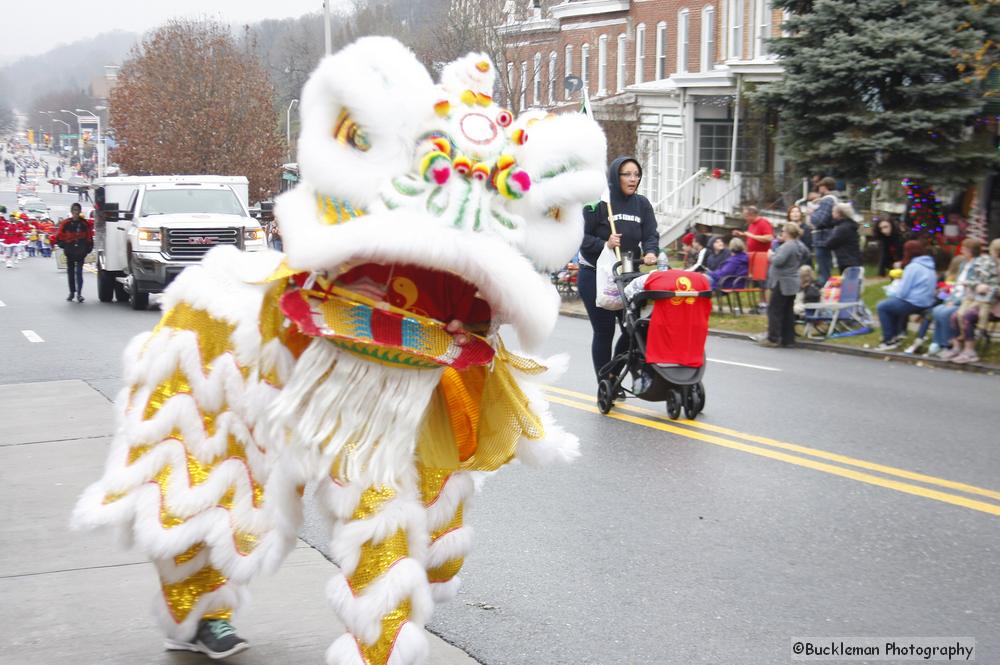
711, 199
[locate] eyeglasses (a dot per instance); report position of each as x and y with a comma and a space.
630, 174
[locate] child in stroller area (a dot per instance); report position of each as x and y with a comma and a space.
665, 354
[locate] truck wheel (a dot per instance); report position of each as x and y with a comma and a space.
138, 301
105, 285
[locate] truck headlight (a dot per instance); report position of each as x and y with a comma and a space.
148, 239
149, 235
254, 235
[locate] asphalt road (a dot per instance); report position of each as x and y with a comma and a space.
818, 495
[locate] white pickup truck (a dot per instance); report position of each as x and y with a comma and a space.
149, 228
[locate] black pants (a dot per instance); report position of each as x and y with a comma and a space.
74, 273
781, 318
603, 321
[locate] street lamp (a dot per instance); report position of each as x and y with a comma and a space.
100, 151
79, 134
288, 127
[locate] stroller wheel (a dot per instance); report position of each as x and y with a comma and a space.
674, 401
605, 396
694, 400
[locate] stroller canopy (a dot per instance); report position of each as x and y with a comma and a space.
679, 326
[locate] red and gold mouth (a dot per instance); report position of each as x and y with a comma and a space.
400, 313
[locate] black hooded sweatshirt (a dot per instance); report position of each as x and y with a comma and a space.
634, 219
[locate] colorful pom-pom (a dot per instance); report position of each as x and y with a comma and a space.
513, 183
483, 99
520, 137
442, 144
462, 165
505, 162
483, 66
435, 167
443, 108
480, 171
468, 97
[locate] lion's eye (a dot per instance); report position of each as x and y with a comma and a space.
347, 132
504, 118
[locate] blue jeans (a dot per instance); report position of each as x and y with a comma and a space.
74, 271
944, 330
824, 265
892, 315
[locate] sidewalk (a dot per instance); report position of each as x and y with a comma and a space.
72, 597
574, 308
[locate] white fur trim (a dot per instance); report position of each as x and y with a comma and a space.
444, 592
458, 489
572, 148
450, 546
362, 615
388, 94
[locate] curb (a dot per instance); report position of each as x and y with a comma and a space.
919, 361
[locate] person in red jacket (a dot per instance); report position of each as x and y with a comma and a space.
76, 239
12, 236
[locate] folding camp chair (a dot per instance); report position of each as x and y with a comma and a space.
845, 316
750, 284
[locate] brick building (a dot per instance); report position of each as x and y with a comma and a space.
664, 78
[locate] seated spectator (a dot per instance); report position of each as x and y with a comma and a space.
914, 292
717, 253
978, 297
732, 274
699, 250
958, 275
844, 241
808, 290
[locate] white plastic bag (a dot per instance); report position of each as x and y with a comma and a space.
608, 296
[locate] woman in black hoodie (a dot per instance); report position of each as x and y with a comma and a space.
635, 224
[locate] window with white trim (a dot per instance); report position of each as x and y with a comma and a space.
536, 82
510, 82
524, 86
707, 38
569, 67
683, 41
552, 77
585, 65
735, 32
640, 51
661, 50
762, 27
602, 65
621, 62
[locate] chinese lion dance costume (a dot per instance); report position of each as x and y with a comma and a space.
365, 361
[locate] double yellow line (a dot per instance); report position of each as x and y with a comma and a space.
773, 449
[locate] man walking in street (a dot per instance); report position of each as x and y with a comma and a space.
823, 223
76, 240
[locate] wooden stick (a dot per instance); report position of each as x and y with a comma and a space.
611, 221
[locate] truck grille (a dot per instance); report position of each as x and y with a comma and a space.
192, 244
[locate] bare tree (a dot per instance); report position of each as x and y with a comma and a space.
478, 25
190, 100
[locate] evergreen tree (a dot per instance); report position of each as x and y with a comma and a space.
874, 88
